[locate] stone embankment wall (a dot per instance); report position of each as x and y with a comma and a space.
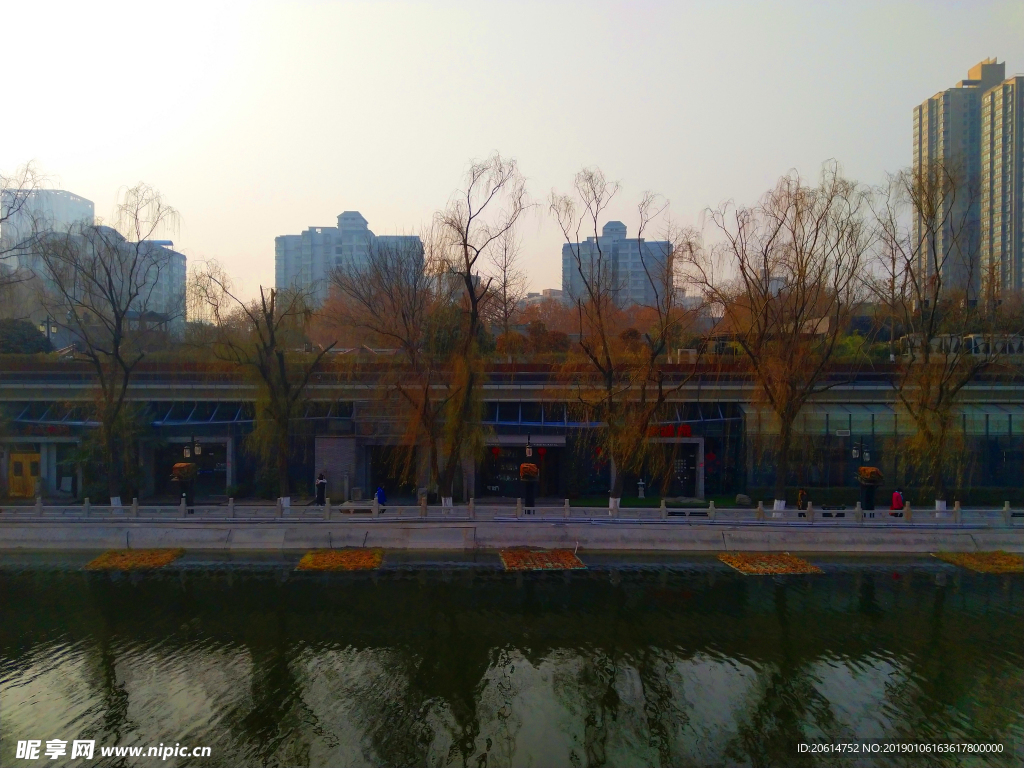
470, 535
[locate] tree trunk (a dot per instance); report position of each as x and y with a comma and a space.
938, 469
615, 492
114, 465
283, 482
782, 460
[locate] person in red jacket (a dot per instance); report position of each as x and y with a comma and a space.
897, 499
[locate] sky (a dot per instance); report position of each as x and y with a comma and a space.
260, 119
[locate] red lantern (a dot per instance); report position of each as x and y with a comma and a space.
667, 431
541, 451
495, 451
684, 430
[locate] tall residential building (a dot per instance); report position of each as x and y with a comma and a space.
305, 261
1002, 187
947, 128
24, 214
633, 268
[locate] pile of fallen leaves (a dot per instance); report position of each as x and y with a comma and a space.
764, 564
134, 559
985, 562
522, 559
341, 560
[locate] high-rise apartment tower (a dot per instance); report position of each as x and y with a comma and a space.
947, 130
1002, 187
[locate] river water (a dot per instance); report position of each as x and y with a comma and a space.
664, 662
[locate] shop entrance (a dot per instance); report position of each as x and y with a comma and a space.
499, 471
211, 468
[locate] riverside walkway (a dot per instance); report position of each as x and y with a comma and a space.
479, 526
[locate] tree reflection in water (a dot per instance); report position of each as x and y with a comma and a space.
685, 666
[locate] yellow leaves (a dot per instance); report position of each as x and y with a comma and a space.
985, 562
134, 559
765, 564
341, 560
523, 559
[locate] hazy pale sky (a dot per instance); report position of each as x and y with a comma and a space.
261, 119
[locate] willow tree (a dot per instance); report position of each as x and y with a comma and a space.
265, 337
944, 314
469, 237
616, 369
785, 278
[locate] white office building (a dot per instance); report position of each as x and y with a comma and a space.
634, 269
306, 261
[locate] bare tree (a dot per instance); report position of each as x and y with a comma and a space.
474, 225
925, 263
785, 279
508, 284
633, 385
265, 337
99, 284
398, 303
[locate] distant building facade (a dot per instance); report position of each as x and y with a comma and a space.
306, 261
533, 298
30, 218
947, 129
25, 214
1002, 186
634, 269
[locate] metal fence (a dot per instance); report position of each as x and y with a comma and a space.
363, 512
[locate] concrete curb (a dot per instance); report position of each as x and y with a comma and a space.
476, 535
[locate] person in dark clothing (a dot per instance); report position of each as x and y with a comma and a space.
321, 490
801, 499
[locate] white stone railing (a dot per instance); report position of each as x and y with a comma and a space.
363, 512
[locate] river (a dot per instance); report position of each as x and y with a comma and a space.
450, 661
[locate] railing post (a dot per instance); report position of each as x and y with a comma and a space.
907, 514
810, 512
519, 508
664, 510
565, 509
39, 506
376, 505
957, 513
231, 507
135, 506
712, 512
182, 509
85, 507
760, 511
1007, 517
423, 506
858, 514
327, 508
471, 511
280, 508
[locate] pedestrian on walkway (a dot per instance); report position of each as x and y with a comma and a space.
382, 499
321, 490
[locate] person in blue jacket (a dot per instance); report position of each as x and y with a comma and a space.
382, 498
